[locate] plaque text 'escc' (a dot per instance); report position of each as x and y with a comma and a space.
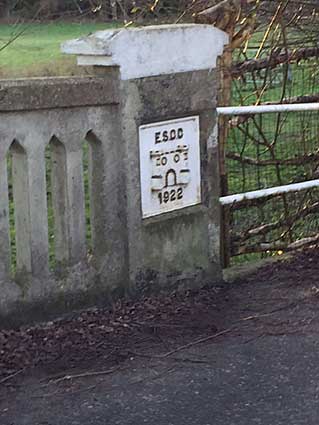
170, 165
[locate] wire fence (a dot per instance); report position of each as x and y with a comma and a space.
277, 63
272, 150
275, 149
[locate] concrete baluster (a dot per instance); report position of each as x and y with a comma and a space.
60, 202
4, 221
38, 209
95, 165
76, 209
20, 181
30, 209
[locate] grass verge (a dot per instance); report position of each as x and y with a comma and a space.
36, 51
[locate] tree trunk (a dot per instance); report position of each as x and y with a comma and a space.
113, 8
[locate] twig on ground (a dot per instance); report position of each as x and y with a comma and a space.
254, 338
282, 308
159, 325
160, 356
60, 375
85, 375
224, 332
57, 393
198, 341
7, 378
268, 333
166, 372
162, 340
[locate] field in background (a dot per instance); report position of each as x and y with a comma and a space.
36, 49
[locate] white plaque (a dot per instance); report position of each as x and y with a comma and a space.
170, 165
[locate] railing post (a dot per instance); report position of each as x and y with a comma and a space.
167, 120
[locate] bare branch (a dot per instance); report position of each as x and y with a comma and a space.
251, 65
311, 157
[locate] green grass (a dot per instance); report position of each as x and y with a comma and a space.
36, 52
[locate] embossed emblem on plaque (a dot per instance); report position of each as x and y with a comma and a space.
170, 165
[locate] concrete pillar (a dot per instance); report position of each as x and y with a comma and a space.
168, 83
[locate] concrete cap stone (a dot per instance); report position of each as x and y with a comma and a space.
151, 51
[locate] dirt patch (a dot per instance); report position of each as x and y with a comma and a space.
280, 298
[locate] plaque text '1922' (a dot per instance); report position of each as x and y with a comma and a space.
169, 165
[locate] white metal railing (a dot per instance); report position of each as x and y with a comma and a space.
263, 109
277, 190
263, 193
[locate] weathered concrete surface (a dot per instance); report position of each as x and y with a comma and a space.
80, 282
151, 51
58, 92
129, 255
271, 380
180, 248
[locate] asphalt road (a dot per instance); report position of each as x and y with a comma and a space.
268, 380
